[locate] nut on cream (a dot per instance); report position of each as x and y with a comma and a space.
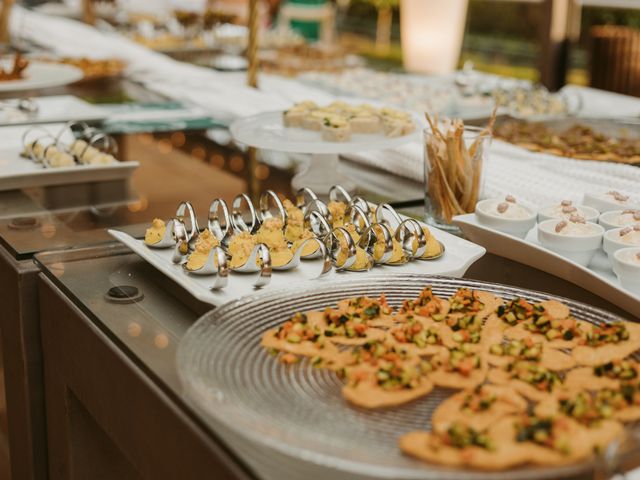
574, 226
630, 235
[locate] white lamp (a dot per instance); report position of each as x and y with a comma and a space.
432, 32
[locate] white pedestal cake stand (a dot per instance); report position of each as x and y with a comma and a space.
267, 131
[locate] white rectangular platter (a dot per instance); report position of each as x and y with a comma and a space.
54, 109
597, 278
17, 172
460, 254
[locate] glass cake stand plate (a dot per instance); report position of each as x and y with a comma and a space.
54, 109
598, 277
267, 131
298, 410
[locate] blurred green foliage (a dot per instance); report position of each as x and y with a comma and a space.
610, 16
379, 4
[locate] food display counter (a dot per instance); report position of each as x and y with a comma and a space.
170, 322
104, 419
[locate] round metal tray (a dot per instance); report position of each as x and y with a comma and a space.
298, 410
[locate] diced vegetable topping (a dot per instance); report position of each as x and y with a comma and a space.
297, 330
467, 329
463, 360
628, 394
426, 305
620, 369
466, 301
543, 431
414, 332
605, 334
460, 435
395, 376
524, 349
478, 401
519, 310
534, 374
585, 409
554, 329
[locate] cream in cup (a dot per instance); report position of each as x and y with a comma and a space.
565, 209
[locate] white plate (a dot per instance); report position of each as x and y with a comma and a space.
43, 75
266, 130
53, 109
598, 278
460, 254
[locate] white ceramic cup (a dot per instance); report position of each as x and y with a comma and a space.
607, 219
518, 227
611, 242
604, 205
578, 248
627, 272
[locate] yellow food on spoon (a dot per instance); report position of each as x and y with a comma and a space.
397, 254
337, 211
295, 222
362, 259
281, 256
270, 233
351, 228
199, 257
155, 232
204, 244
310, 248
207, 239
433, 245
240, 247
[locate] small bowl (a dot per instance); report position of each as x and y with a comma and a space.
607, 218
518, 227
628, 273
578, 248
612, 243
604, 205
589, 213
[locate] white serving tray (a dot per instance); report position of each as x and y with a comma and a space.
267, 131
597, 278
54, 109
460, 254
17, 172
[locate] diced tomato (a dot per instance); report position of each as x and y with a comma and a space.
465, 366
400, 336
289, 358
360, 328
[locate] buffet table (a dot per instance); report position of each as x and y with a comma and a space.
90, 334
